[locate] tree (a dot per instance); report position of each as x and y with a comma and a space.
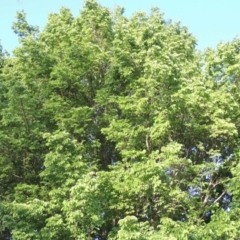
117, 128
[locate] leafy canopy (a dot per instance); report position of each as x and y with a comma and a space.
118, 128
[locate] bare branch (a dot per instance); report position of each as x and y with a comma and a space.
219, 197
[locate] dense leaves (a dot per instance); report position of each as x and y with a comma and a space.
118, 128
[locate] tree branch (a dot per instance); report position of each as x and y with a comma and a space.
219, 197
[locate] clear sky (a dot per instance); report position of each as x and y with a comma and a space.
210, 21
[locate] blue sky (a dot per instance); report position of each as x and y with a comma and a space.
210, 21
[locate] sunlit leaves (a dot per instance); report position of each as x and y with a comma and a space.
117, 128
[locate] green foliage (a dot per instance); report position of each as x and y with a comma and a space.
117, 127
22, 28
